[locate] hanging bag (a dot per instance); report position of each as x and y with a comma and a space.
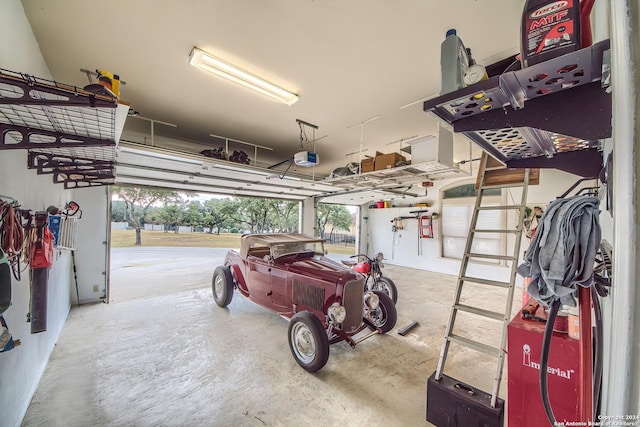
42, 250
5, 282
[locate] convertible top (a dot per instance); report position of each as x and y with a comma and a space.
249, 240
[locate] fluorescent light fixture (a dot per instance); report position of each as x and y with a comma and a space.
201, 59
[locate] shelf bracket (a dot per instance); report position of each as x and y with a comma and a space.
48, 139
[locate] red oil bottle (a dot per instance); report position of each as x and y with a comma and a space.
550, 28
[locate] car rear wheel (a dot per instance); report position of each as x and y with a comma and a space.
385, 315
222, 286
386, 285
308, 341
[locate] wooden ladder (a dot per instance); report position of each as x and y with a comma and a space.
491, 175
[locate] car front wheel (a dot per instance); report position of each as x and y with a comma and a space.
308, 341
222, 286
385, 315
386, 285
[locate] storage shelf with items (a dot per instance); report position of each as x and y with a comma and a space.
70, 133
398, 176
431, 159
535, 117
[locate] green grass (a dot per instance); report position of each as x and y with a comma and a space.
127, 238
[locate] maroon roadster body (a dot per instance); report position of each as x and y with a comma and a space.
324, 301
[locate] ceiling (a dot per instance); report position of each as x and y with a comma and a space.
348, 61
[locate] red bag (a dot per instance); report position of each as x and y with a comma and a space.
42, 250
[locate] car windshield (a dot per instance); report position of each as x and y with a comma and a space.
308, 248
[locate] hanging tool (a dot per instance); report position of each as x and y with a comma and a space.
41, 261
75, 276
425, 230
6, 340
71, 209
12, 235
397, 223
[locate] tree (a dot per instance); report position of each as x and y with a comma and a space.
335, 216
152, 216
138, 200
254, 213
193, 215
118, 211
285, 214
218, 213
266, 215
171, 216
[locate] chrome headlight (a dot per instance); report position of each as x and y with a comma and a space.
337, 313
371, 300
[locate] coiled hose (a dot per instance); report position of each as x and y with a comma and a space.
11, 235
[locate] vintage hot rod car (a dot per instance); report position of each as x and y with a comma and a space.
324, 301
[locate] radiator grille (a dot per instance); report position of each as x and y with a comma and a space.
352, 301
308, 295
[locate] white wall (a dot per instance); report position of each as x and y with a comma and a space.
21, 368
91, 256
401, 248
119, 225
149, 227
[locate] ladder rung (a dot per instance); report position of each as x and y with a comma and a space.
503, 257
474, 345
487, 230
485, 281
479, 311
492, 208
515, 184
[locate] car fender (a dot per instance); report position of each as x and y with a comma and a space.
234, 262
239, 279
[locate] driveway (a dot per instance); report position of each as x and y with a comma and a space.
143, 272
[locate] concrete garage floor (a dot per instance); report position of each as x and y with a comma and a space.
163, 354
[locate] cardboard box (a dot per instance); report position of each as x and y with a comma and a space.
386, 161
367, 165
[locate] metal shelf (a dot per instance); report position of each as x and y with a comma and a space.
69, 132
402, 176
543, 111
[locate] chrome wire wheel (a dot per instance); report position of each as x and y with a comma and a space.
218, 286
378, 317
386, 285
303, 343
308, 341
222, 286
385, 315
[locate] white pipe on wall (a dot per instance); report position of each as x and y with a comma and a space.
622, 386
